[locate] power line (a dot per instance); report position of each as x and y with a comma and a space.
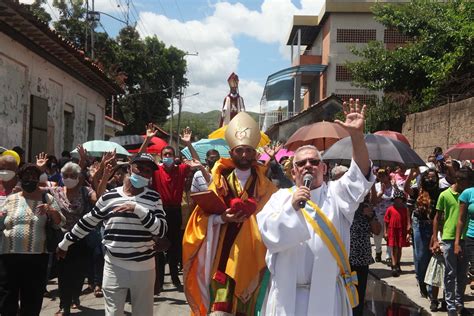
137, 16
178, 38
185, 26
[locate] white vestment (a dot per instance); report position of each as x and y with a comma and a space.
304, 274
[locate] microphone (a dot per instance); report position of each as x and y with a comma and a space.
307, 180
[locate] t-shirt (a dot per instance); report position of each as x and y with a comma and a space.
199, 183
449, 205
467, 197
170, 185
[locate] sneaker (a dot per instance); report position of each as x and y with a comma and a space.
389, 262
395, 272
378, 257
434, 305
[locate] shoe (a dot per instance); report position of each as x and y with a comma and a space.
452, 313
378, 257
464, 312
389, 262
395, 272
177, 284
398, 269
434, 305
75, 306
98, 292
62, 312
444, 306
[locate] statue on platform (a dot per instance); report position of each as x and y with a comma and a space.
233, 102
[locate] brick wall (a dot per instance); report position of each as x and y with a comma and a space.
443, 126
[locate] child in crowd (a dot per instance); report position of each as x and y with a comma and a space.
397, 229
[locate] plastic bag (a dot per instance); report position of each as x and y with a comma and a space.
435, 272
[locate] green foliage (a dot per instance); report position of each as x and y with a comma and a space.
433, 66
38, 10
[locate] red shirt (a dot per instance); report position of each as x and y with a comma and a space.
170, 184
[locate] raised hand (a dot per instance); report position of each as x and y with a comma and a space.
151, 130
186, 136
82, 151
355, 117
41, 161
108, 171
109, 157
272, 150
193, 163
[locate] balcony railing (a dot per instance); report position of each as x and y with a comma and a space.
269, 118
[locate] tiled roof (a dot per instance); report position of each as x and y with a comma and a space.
20, 24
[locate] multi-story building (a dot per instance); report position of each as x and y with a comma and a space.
320, 46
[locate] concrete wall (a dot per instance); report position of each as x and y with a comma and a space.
443, 126
22, 74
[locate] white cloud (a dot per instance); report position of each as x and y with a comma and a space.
213, 37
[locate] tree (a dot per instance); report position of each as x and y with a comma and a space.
428, 69
38, 10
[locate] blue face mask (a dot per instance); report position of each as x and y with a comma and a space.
167, 161
138, 182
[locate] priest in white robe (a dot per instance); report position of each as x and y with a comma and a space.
305, 277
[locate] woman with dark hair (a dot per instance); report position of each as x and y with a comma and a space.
422, 202
24, 259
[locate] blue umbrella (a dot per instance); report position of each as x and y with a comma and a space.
203, 145
96, 148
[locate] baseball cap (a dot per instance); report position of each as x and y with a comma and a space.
144, 158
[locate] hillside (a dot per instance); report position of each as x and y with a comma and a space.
202, 124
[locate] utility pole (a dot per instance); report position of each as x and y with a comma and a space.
92, 33
87, 20
172, 110
128, 11
180, 104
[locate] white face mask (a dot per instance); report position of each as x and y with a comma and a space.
43, 178
7, 175
70, 183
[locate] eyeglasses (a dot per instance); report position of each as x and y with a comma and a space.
313, 161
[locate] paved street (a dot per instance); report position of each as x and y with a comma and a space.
379, 295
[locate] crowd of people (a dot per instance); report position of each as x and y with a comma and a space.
294, 237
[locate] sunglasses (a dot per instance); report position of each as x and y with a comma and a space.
313, 161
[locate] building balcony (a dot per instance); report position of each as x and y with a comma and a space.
307, 59
269, 118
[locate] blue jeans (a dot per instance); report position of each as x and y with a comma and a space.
422, 231
455, 275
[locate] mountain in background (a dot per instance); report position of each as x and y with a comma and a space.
202, 124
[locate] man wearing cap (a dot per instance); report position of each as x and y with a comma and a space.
132, 216
233, 102
307, 231
223, 254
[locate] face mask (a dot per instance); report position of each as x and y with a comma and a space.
43, 178
168, 161
70, 183
138, 182
7, 175
29, 185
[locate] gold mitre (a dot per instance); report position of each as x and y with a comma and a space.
242, 130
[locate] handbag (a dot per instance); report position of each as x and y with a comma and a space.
53, 234
435, 272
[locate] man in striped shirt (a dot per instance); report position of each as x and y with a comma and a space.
132, 215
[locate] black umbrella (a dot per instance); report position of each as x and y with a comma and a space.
383, 151
128, 141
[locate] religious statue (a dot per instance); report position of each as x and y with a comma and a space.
233, 102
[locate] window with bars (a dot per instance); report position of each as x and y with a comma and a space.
342, 73
355, 35
392, 36
363, 98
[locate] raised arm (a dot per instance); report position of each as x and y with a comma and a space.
149, 134
354, 125
186, 140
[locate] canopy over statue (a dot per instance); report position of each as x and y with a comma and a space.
233, 102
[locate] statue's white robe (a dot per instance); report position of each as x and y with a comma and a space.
304, 275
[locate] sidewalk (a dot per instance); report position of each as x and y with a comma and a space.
407, 283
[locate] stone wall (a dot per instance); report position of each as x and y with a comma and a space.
443, 126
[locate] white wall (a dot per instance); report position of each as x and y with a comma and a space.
22, 74
340, 52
